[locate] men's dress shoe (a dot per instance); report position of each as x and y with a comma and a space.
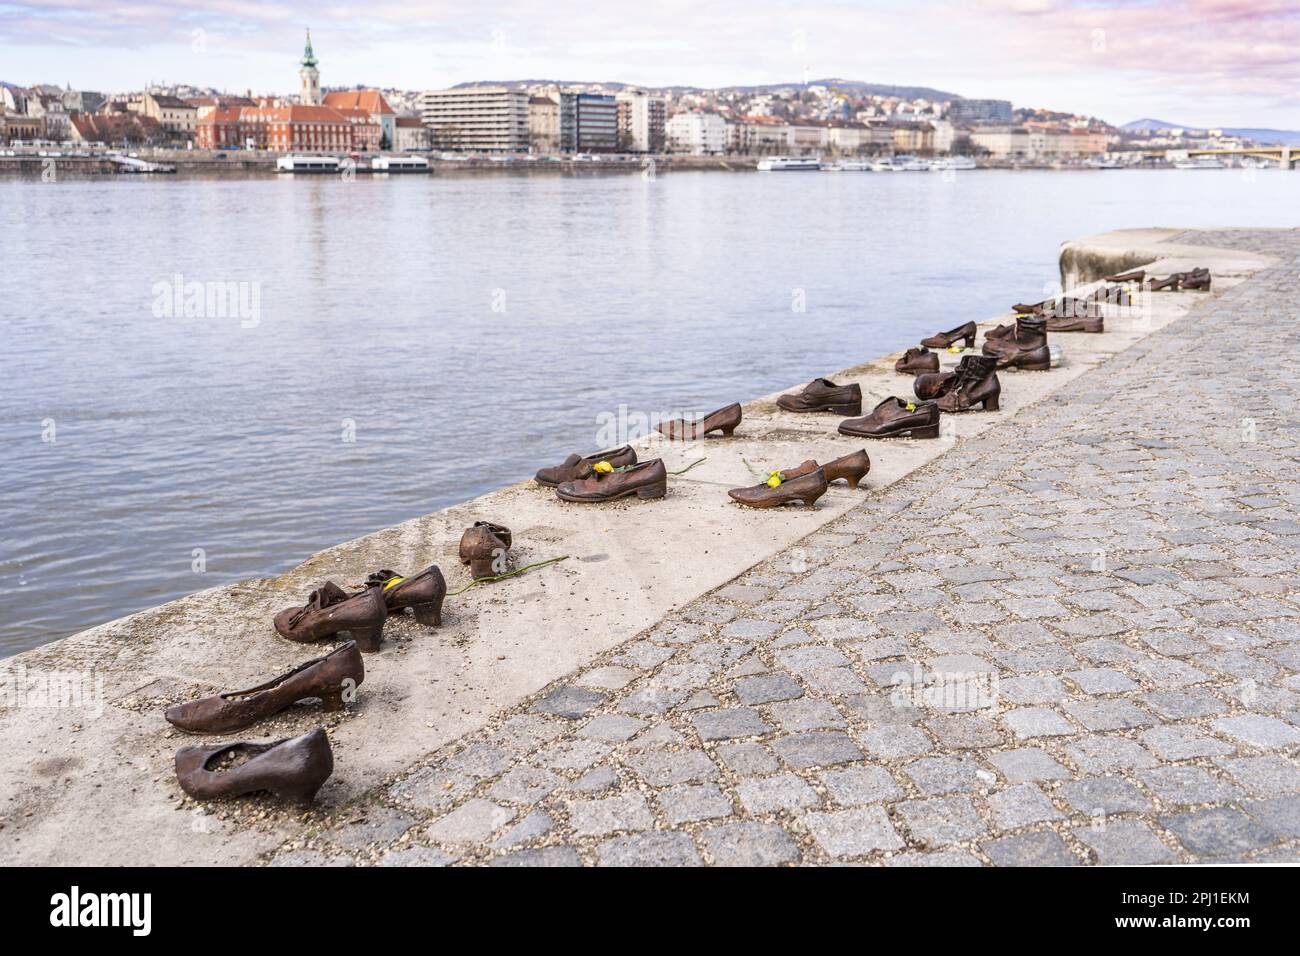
918, 360
330, 610
1137, 275
649, 479
1022, 308
484, 547
423, 593
852, 467
1076, 324
941, 340
293, 768
806, 488
327, 677
1198, 280
1167, 284
723, 420
893, 419
823, 395
975, 383
1026, 349
577, 466
933, 384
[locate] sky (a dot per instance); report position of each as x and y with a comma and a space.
1198, 62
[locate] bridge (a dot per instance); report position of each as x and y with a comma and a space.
1285, 156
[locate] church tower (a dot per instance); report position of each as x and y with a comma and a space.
310, 76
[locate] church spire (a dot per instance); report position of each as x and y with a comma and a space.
308, 57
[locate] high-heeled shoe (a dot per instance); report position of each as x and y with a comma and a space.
485, 548
328, 678
942, 340
1168, 284
577, 466
330, 610
723, 420
806, 488
975, 383
918, 360
823, 395
293, 768
647, 479
423, 593
852, 467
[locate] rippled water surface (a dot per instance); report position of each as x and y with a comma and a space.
471, 328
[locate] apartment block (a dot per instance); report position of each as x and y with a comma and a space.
588, 123
641, 119
486, 119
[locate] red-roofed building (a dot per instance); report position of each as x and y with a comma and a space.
367, 135
373, 104
313, 129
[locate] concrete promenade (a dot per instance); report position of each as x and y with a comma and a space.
1064, 633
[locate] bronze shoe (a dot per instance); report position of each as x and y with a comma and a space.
293, 768
1026, 349
918, 360
806, 488
892, 418
485, 547
1001, 332
933, 384
1198, 280
852, 467
823, 395
941, 340
330, 610
649, 479
1167, 284
975, 383
724, 420
423, 593
1137, 275
1076, 324
576, 466
1022, 308
328, 678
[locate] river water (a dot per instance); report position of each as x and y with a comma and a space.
388, 347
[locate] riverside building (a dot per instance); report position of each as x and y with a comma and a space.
485, 119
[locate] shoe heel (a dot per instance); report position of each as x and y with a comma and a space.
1035, 366
430, 615
851, 410
652, 491
853, 480
728, 431
927, 431
481, 568
991, 403
331, 700
368, 639
303, 794
970, 341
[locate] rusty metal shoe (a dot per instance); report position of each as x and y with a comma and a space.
918, 360
806, 488
723, 420
975, 383
852, 467
942, 340
1076, 324
1026, 349
1024, 308
823, 395
330, 610
577, 466
896, 418
1137, 275
1167, 284
648, 479
328, 678
1001, 332
423, 593
485, 547
933, 385
1198, 280
293, 768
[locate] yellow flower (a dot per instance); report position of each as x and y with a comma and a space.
393, 581
956, 349
774, 480
911, 406
603, 468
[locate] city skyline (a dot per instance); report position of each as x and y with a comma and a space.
1200, 62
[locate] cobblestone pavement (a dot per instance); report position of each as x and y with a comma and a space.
1074, 639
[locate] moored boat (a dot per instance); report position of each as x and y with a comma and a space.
772, 164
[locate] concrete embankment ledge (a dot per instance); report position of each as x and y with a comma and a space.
80, 786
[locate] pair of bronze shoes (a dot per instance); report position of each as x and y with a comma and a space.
895, 418
616, 473
723, 420
293, 768
973, 382
917, 360
485, 547
1197, 280
1023, 345
964, 333
805, 483
823, 395
332, 610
